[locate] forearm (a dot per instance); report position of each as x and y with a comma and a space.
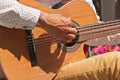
16, 15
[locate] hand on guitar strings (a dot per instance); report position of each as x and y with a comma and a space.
58, 26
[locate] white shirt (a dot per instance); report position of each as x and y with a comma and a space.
15, 15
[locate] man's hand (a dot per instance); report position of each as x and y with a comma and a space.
58, 25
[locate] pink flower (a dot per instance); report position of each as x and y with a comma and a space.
99, 50
95, 50
107, 47
116, 48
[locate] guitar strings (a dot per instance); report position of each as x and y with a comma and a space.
102, 29
85, 30
99, 25
99, 28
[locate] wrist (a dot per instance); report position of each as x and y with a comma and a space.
43, 16
42, 19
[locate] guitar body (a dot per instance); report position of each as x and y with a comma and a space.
14, 53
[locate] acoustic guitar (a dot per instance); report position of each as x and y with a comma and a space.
50, 53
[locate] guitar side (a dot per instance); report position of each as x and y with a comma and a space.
14, 54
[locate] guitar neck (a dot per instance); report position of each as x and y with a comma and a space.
99, 30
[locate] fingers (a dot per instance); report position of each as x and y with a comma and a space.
68, 38
59, 26
69, 30
66, 21
68, 25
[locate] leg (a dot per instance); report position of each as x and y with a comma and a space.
101, 67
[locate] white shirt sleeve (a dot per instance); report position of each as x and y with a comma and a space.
15, 15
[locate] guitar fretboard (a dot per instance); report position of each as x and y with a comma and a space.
99, 30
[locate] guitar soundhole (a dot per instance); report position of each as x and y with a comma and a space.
68, 47
73, 42
73, 45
